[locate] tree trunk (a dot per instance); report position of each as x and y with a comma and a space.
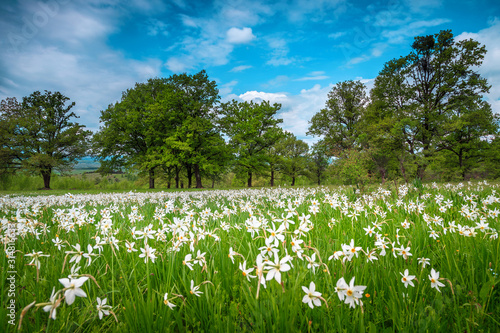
249, 183
461, 163
189, 170
403, 170
272, 177
319, 178
197, 175
46, 178
151, 178
177, 170
382, 174
213, 181
293, 181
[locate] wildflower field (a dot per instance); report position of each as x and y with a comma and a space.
303, 259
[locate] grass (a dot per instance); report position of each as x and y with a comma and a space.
210, 223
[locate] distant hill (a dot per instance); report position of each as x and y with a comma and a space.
87, 164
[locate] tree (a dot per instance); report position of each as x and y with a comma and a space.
134, 129
195, 138
318, 161
424, 93
273, 159
11, 154
466, 134
293, 155
338, 122
43, 136
252, 130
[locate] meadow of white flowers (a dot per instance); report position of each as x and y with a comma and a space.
255, 259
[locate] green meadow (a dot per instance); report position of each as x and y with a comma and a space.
314, 259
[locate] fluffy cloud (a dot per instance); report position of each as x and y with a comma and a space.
239, 36
214, 34
69, 54
296, 110
490, 69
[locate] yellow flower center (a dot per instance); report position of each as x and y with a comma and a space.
349, 292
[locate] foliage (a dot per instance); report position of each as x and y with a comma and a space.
354, 168
43, 137
252, 130
318, 162
431, 100
338, 123
293, 155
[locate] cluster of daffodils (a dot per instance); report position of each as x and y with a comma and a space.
279, 227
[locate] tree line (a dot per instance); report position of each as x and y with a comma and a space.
425, 114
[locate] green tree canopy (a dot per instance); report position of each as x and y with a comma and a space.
431, 96
294, 156
252, 129
338, 122
134, 128
165, 122
43, 137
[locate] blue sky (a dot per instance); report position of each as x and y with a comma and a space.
290, 52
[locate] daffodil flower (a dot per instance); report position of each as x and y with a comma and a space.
312, 297
102, 308
72, 288
434, 277
407, 279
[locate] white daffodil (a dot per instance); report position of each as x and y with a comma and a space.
261, 263
194, 289
51, 308
167, 302
312, 297
277, 267
407, 279
102, 308
246, 272
423, 261
188, 261
72, 288
349, 293
434, 277
36, 258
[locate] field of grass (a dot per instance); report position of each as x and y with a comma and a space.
401, 259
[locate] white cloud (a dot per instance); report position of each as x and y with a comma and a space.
314, 76
277, 81
240, 36
70, 54
240, 68
490, 69
336, 35
296, 110
179, 65
259, 96
279, 53
227, 88
156, 27
216, 34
